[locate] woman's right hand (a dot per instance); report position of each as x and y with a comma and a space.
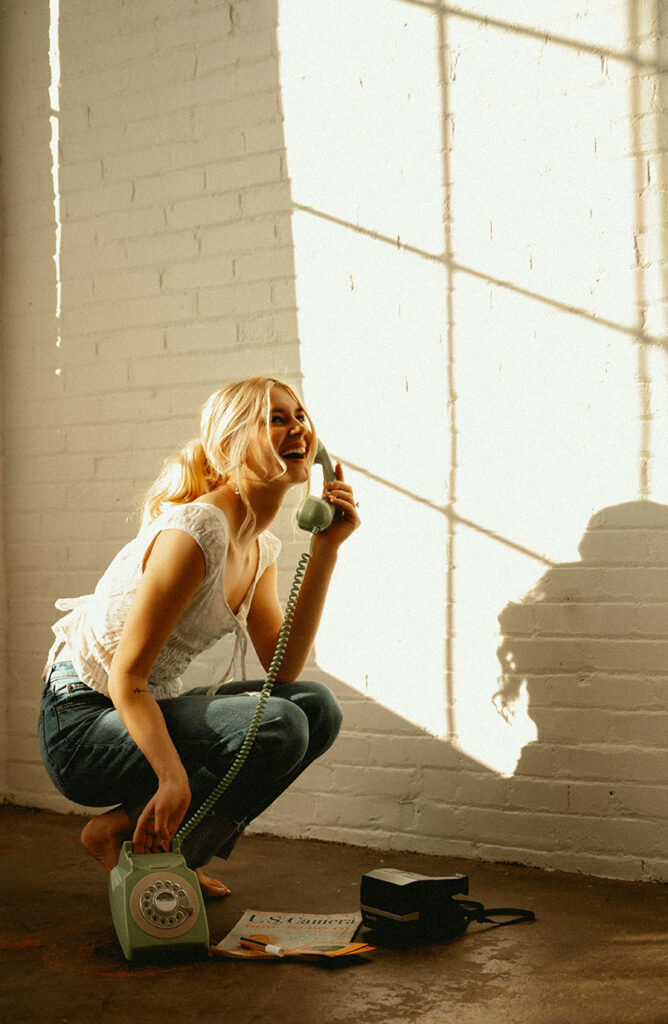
162, 816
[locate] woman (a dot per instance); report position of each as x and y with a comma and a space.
114, 726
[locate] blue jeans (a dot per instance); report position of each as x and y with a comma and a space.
91, 758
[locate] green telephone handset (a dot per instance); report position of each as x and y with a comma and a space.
155, 899
315, 514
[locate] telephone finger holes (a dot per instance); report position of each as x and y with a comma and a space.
164, 905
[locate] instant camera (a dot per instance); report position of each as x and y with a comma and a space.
402, 908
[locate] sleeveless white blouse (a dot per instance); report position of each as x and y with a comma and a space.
92, 629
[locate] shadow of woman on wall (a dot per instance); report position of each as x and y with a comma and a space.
587, 652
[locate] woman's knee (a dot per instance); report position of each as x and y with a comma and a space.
321, 708
283, 737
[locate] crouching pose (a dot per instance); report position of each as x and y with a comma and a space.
115, 728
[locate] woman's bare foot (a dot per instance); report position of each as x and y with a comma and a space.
104, 835
211, 886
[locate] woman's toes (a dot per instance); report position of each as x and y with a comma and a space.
211, 887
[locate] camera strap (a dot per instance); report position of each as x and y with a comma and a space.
477, 912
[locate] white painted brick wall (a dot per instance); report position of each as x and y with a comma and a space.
178, 273
4, 662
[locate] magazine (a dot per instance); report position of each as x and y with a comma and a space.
266, 935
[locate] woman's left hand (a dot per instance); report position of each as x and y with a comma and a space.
346, 520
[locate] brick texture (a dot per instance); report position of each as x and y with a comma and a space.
178, 273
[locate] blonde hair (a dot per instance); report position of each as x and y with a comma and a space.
229, 423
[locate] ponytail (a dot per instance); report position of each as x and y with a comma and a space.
184, 477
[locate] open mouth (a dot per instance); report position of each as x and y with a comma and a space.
294, 456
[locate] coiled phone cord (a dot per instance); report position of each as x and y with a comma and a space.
265, 693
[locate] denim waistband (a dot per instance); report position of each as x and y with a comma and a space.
63, 680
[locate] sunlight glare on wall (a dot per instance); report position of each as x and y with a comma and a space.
54, 120
464, 240
548, 404
361, 99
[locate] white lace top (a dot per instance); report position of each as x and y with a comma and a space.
92, 629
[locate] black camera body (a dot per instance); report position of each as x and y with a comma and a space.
403, 908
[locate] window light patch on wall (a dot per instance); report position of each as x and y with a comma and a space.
470, 177
54, 120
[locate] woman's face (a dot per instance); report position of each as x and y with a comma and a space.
290, 436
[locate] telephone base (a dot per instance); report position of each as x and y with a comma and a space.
157, 907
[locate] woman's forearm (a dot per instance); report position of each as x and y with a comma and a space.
145, 723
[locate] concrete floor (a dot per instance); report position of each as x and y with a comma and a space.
598, 951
